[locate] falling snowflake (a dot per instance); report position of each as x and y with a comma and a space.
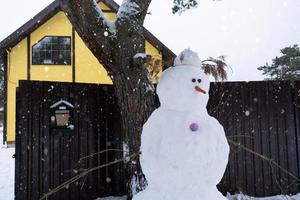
108, 179
247, 112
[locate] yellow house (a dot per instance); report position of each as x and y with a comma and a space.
47, 48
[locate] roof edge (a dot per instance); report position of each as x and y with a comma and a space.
29, 26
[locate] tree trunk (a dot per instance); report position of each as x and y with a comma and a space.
124, 39
136, 98
136, 104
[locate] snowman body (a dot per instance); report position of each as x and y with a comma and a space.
181, 161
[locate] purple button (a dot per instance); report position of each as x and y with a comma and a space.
194, 127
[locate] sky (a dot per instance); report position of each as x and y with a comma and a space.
248, 32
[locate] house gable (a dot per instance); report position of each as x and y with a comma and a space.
53, 8
53, 22
16, 52
58, 25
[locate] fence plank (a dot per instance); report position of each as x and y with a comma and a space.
281, 91
239, 113
46, 139
273, 126
35, 139
23, 133
251, 106
74, 191
262, 113
290, 135
296, 105
230, 132
291, 138
92, 141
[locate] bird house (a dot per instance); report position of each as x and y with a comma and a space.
61, 115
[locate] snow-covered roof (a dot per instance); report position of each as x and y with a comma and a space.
62, 102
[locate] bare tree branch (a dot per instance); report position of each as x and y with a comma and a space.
85, 173
129, 28
133, 11
264, 158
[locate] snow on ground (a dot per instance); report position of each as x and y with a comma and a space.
7, 166
279, 197
231, 197
112, 198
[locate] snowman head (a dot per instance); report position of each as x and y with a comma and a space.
185, 86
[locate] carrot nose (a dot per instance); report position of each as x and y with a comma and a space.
199, 89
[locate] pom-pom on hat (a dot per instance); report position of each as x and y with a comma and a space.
211, 66
188, 57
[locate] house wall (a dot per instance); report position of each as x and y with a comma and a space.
58, 25
87, 68
17, 70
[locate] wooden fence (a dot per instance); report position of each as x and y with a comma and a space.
264, 117
261, 116
45, 159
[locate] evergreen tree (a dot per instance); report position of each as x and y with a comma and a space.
285, 67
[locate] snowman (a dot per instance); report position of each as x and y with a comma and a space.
184, 150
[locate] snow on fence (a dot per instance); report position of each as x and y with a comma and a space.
261, 116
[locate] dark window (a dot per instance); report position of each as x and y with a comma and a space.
52, 50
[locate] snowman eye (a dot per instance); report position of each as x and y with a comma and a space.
199, 80
193, 80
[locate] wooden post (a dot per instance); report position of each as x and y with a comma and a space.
3, 60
